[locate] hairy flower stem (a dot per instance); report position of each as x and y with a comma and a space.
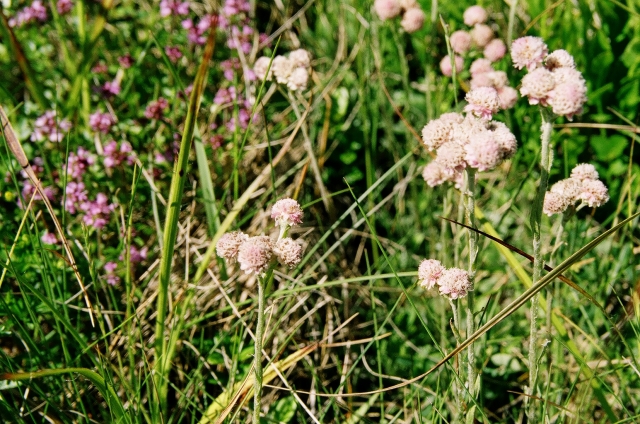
459, 390
536, 217
257, 357
473, 254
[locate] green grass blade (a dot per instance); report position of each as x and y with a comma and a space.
161, 366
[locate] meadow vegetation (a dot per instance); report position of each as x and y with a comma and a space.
422, 211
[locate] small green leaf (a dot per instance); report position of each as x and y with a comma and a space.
609, 148
283, 412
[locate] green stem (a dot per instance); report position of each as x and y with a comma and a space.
473, 254
536, 217
257, 358
459, 389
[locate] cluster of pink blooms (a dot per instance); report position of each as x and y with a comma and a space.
115, 155
583, 185
155, 109
480, 38
96, 212
453, 283
256, 254
173, 7
49, 238
136, 255
229, 97
472, 141
196, 32
101, 122
110, 276
173, 53
79, 162
412, 16
552, 79
35, 12
293, 71
28, 190
48, 126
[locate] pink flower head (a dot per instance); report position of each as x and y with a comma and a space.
584, 171
536, 85
282, 67
594, 193
567, 99
460, 41
79, 162
451, 157
495, 50
49, 126
505, 139
173, 53
101, 122
439, 131
569, 188
481, 66
482, 102
298, 79
429, 273
412, 20
387, 9
260, 68
115, 155
555, 203
75, 195
289, 252
559, 59
64, 6
508, 97
481, 35
155, 109
97, 212
528, 52
434, 174
254, 255
300, 58
111, 88
173, 7
483, 152
49, 238
454, 283
110, 276
126, 61
234, 7
475, 15
287, 212
445, 65
228, 245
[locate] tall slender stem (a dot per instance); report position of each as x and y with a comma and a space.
257, 358
473, 253
536, 217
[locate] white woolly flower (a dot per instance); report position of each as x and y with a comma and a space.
282, 68
298, 79
429, 272
528, 52
260, 68
454, 283
289, 252
228, 245
254, 255
287, 212
300, 58
584, 171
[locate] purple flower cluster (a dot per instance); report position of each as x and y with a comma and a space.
35, 12
155, 109
64, 6
48, 126
195, 32
115, 155
79, 162
173, 7
228, 97
110, 276
96, 212
173, 53
101, 122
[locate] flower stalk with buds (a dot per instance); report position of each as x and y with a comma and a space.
258, 255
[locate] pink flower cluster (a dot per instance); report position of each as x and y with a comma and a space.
28, 189
552, 79
465, 141
115, 155
96, 212
453, 283
255, 254
173, 7
412, 16
228, 97
484, 75
110, 276
293, 71
480, 37
79, 162
64, 6
101, 122
155, 109
35, 12
196, 32
48, 126
583, 185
